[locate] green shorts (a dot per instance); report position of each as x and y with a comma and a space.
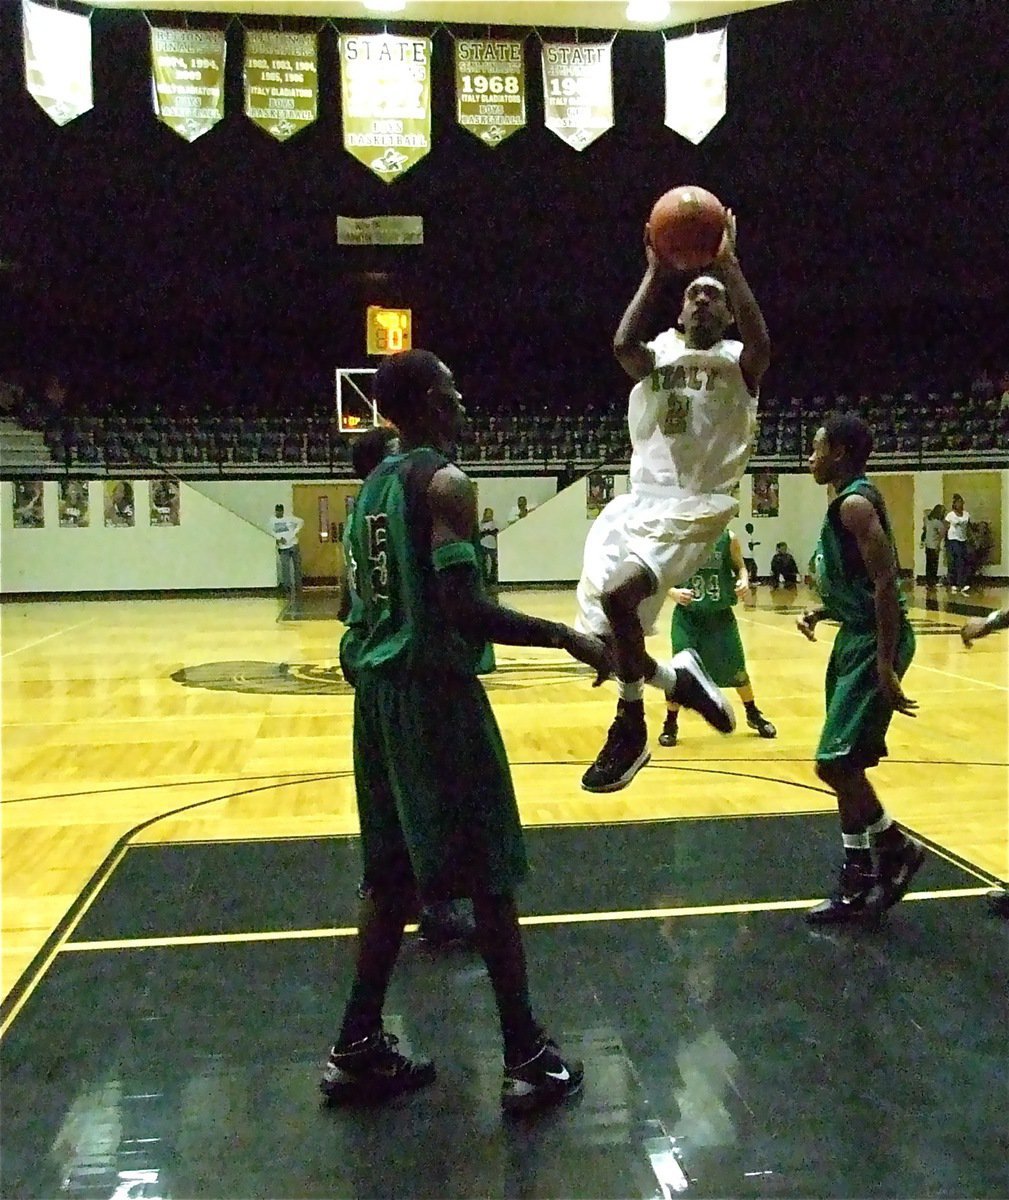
715, 637
857, 715
434, 790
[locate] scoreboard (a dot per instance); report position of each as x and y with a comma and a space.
389, 330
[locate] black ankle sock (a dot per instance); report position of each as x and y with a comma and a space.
632, 709
751, 708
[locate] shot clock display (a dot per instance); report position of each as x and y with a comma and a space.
390, 330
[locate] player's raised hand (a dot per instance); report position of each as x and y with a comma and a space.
655, 264
727, 249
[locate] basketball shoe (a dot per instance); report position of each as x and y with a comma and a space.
697, 690
541, 1080
371, 1071
756, 720
897, 868
670, 730
848, 903
624, 753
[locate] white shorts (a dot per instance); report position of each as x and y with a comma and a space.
669, 533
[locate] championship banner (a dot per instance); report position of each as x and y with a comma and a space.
380, 231
577, 91
281, 75
57, 61
490, 89
695, 83
385, 82
188, 79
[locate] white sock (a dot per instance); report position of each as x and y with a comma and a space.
664, 678
881, 825
855, 841
634, 690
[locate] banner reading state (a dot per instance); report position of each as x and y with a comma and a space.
281, 74
57, 61
490, 89
577, 91
385, 82
188, 79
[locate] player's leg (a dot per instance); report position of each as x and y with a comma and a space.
364, 1064
481, 853
854, 738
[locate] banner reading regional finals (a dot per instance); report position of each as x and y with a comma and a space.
385, 83
188, 79
281, 81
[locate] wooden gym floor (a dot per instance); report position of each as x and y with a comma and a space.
178, 884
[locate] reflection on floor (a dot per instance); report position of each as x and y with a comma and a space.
728, 1053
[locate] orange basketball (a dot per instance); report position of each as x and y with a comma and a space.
686, 227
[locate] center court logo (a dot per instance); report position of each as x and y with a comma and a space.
317, 679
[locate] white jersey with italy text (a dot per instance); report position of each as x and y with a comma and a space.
692, 421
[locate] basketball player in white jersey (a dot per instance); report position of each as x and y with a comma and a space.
692, 418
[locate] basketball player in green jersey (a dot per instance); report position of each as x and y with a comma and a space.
703, 620
442, 923
437, 809
855, 565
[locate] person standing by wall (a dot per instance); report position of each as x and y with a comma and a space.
957, 520
488, 545
285, 532
933, 531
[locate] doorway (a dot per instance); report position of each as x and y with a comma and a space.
324, 508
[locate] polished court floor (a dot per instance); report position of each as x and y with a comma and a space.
179, 870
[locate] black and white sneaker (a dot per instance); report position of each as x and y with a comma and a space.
621, 758
697, 690
372, 1070
761, 724
896, 870
848, 903
543, 1079
670, 730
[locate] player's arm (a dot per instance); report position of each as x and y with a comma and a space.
452, 503
629, 340
738, 565
756, 353
980, 627
860, 518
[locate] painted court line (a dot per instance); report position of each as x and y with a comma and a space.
48, 638
641, 914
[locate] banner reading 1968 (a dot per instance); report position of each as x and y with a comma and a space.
281, 81
577, 91
188, 69
385, 83
490, 89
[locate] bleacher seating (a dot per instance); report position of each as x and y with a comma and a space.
910, 427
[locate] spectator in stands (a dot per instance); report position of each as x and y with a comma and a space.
784, 569
983, 387
522, 509
933, 531
956, 521
285, 532
488, 544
